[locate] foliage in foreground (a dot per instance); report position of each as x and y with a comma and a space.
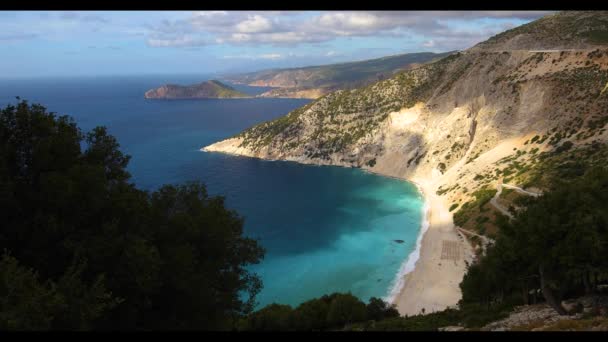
85, 249
330, 312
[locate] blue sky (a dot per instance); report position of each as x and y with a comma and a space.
49, 44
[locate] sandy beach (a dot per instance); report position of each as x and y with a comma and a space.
433, 285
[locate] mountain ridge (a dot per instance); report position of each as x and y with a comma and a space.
318, 80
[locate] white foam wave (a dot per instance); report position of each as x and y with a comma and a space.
410, 263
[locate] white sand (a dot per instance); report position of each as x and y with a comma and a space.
434, 282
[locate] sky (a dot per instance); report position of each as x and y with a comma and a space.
91, 43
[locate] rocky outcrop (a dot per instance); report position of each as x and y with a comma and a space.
205, 90
540, 314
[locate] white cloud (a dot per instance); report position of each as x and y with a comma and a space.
184, 41
353, 22
429, 44
254, 24
293, 28
271, 56
268, 56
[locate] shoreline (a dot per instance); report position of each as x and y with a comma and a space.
426, 281
409, 264
433, 284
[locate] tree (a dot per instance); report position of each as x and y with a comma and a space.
377, 309
175, 258
345, 309
274, 317
311, 315
557, 243
27, 304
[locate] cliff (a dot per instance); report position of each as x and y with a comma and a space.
464, 122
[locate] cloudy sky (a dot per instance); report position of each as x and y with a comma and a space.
163, 42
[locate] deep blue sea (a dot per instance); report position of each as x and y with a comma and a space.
325, 229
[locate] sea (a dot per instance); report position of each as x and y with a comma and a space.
325, 229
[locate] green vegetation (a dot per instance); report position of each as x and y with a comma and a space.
469, 315
473, 207
564, 147
225, 91
455, 75
441, 167
571, 163
536, 137
208, 89
83, 248
597, 36
330, 312
557, 244
342, 118
453, 206
567, 27
506, 192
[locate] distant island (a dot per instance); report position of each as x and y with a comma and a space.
310, 82
206, 90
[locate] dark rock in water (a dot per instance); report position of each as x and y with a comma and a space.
399, 241
379, 280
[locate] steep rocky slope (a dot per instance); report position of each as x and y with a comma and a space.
204, 90
315, 81
457, 120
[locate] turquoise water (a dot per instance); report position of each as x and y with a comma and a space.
325, 229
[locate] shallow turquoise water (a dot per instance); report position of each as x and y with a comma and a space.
325, 229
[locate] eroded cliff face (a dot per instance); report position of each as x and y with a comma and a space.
451, 122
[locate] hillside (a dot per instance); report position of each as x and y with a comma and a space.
564, 30
315, 81
501, 112
206, 90
454, 118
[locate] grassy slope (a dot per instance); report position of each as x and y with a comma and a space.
225, 91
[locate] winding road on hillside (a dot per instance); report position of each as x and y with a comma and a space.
485, 241
522, 191
505, 211
494, 202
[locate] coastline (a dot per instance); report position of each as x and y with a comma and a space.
409, 264
425, 280
433, 284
